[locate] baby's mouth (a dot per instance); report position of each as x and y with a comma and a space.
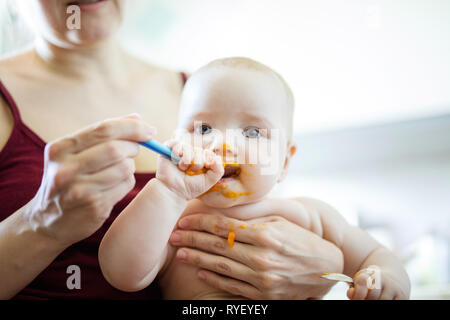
231, 170
83, 2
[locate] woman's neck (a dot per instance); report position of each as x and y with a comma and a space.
105, 61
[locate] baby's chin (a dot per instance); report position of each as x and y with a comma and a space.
216, 199
233, 191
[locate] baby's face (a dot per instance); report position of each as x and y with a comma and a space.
243, 116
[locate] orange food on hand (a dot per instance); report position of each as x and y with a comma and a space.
195, 173
231, 237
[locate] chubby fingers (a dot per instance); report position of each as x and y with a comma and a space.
213, 162
196, 159
186, 154
365, 286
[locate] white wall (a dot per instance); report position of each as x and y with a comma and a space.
349, 62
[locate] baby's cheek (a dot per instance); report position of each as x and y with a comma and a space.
256, 182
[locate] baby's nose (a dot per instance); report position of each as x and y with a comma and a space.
225, 151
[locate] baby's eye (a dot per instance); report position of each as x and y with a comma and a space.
203, 129
251, 132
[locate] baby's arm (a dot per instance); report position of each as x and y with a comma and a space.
380, 276
134, 248
369, 263
364, 258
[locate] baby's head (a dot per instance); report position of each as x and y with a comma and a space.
242, 110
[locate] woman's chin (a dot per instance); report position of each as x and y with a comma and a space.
89, 37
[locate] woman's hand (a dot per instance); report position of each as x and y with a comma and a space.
85, 175
272, 257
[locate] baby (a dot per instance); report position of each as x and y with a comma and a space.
248, 101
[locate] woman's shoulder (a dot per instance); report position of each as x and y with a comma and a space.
15, 62
13, 69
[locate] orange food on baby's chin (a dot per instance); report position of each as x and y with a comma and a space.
223, 189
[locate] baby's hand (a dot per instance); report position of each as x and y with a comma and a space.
198, 170
372, 283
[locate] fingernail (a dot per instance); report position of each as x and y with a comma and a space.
202, 275
181, 254
175, 237
184, 223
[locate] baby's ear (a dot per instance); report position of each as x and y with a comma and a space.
291, 149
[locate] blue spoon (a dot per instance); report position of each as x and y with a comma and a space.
163, 150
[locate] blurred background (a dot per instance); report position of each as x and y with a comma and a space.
371, 79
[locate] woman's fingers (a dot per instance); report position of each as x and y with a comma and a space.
218, 225
104, 155
232, 286
218, 264
211, 243
248, 232
256, 258
249, 266
125, 128
111, 176
86, 191
120, 190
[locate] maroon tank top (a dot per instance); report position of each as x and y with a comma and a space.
21, 168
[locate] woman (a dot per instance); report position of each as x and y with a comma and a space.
59, 198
